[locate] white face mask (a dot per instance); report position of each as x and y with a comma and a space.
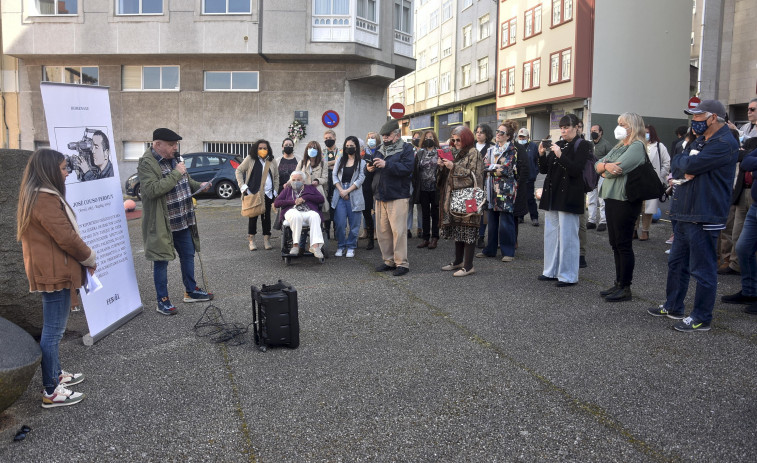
620, 133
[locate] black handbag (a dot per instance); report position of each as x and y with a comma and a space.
642, 183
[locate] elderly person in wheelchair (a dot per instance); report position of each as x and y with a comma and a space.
300, 206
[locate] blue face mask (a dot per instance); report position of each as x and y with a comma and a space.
646, 136
312, 152
371, 143
699, 127
522, 142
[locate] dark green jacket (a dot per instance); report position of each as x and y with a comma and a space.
156, 230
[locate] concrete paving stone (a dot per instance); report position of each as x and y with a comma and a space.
497, 366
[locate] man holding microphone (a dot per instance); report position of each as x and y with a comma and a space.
168, 218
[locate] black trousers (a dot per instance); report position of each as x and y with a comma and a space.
252, 224
621, 219
430, 212
533, 211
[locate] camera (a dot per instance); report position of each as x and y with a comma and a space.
546, 143
84, 149
368, 160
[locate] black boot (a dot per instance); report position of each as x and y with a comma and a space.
480, 243
622, 294
611, 290
369, 231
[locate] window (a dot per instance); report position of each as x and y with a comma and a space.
241, 81
433, 53
467, 3
228, 147
446, 47
421, 91
446, 81
562, 11
421, 60
366, 9
226, 6
446, 10
133, 150
559, 66
508, 33
466, 75
140, 6
531, 74
321, 7
507, 81
88, 75
532, 22
54, 7
483, 69
411, 95
433, 21
150, 77
422, 29
467, 38
402, 15
483, 27
433, 86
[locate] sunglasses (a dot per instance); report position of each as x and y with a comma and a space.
456, 140
499, 132
21, 434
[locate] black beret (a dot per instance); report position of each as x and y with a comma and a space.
165, 135
389, 127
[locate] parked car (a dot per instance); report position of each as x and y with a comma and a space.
203, 167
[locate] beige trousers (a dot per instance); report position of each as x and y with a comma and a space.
391, 231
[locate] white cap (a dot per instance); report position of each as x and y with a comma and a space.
524, 132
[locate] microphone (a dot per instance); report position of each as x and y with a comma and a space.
177, 156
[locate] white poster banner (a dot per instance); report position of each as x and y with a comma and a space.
79, 126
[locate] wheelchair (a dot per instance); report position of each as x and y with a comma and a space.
286, 244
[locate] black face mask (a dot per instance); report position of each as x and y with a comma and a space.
329, 143
429, 143
416, 142
595, 136
350, 150
288, 149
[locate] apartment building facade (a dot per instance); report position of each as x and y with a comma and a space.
593, 59
222, 73
454, 79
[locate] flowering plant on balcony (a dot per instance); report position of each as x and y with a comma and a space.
296, 131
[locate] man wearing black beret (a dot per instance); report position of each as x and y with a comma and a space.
168, 218
393, 165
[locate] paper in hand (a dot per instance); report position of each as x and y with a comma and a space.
92, 284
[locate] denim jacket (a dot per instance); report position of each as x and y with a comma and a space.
706, 197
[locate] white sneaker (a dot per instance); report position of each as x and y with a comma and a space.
350, 253
339, 253
317, 252
69, 379
667, 252
61, 397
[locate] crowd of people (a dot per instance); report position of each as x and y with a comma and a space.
476, 185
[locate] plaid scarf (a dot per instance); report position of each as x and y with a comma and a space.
181, 213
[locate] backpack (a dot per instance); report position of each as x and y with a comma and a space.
590, 175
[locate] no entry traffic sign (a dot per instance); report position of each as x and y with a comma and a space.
397, 110
694, 102
330, 118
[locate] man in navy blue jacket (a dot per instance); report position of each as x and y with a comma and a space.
703, 177
393, 165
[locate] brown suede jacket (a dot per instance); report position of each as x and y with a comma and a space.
55, 256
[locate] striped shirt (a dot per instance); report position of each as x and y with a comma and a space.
181, 213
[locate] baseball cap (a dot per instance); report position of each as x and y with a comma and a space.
708, 106
524, 132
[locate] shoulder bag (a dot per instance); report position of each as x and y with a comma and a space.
469, 201
643, 183
254, 205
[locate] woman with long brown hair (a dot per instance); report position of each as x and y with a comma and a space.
55, 258
259, 165
453, 175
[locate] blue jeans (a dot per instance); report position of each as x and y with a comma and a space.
501, 233
55, 309
745, 249
693, 253
182, 241
342, 213
561, 246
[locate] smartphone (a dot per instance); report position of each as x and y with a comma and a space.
546, 144
446, 155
